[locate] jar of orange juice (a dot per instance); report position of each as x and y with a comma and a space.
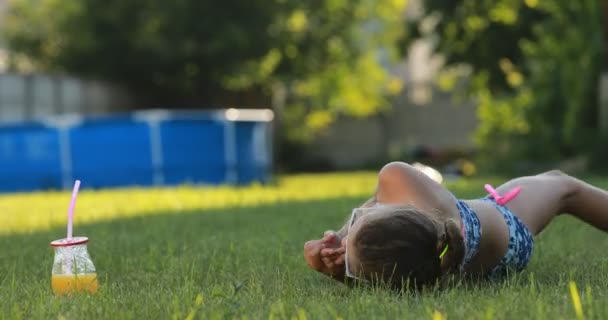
73, 269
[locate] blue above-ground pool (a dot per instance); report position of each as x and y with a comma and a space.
155, 147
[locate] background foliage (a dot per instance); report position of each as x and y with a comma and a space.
534, 64
312, 59
535, 68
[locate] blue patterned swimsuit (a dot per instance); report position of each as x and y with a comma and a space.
521, 241
471, 232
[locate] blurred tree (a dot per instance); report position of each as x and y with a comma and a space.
316, 58
535, 67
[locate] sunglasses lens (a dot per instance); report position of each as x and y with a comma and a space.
350, 224
353, 217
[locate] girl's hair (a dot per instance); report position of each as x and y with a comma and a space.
402, 247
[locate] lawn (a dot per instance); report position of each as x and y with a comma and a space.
213, 253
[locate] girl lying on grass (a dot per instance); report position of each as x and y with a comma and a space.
414, 231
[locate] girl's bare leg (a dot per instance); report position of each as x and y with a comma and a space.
549, 194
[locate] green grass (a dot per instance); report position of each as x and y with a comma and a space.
214, 253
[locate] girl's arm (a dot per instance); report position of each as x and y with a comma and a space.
401, 184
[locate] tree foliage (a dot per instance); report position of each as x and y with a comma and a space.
328, 56
535, 72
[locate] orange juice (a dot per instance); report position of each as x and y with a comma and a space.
69, 283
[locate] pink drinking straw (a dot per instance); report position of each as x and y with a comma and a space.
71, 210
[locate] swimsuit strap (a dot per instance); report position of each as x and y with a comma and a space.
471, 229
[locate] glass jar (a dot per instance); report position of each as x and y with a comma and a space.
73, 270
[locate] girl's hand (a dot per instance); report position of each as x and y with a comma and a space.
312, 254
326, 255
331, 239
333, 254
333, 259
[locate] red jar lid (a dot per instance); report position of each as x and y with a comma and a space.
65, 242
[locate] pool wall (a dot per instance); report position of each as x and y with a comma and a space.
154, 147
